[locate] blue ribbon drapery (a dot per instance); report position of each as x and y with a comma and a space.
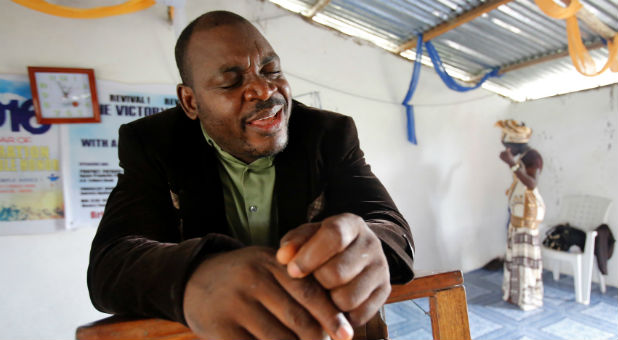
416, 73
446, 78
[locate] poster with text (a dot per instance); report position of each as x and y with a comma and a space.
31, 198
91, 150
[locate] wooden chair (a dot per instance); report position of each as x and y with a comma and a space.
447, 308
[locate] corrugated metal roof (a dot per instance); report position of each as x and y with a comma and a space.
513, 33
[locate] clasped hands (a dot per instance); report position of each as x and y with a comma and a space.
325, 278
507, 157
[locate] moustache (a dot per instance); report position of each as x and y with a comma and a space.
267, 104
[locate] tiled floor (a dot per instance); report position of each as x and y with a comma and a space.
491, 318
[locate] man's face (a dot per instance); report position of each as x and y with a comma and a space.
239, 92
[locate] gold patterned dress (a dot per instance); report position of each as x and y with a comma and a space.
523, 267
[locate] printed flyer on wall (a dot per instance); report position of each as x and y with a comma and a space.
90, 151
31, 198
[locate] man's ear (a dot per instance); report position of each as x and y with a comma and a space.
186, 97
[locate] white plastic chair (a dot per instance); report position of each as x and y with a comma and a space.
585, 212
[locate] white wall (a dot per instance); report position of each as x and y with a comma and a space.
450, 187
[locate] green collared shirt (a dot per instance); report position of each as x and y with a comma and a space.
248, 196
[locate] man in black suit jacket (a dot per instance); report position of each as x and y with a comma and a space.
165, 246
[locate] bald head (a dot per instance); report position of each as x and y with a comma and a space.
204, 22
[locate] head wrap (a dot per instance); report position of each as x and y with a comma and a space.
514, 132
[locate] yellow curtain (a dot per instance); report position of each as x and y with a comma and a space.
579, 54
552, 9
129, 6
582, 60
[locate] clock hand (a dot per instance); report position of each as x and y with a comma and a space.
65, 91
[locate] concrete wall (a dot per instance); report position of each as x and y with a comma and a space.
450, 187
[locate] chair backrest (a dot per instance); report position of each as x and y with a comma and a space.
448, 312
585, 212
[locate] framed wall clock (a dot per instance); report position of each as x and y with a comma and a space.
64, 95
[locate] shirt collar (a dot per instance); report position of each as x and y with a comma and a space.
258, 164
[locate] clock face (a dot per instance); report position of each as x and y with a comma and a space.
64, 95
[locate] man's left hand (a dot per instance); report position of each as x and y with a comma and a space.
346, 258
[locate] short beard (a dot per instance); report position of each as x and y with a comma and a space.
279, 146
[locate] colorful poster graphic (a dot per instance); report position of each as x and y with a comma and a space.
31, 199
90, 153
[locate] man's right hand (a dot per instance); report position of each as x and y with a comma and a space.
247, 294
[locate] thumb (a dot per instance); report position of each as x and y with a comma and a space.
293, 240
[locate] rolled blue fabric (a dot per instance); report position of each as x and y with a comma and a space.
410, 120
416, 73
448, 80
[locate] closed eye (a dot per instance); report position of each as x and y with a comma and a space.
232, 82
231, 86
273, 74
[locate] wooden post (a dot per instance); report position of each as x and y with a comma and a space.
449, 315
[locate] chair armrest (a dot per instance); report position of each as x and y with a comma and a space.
118, 327
448, 308
447, 305
425, 285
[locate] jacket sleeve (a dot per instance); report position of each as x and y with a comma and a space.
352, 187
139, 263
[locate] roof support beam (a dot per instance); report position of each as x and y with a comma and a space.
449, 25
318, 6
543, 59
536, 61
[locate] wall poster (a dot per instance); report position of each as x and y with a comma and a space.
59, 176
31, 198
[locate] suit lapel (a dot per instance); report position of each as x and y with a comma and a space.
199, 184
293, 179
290, 192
